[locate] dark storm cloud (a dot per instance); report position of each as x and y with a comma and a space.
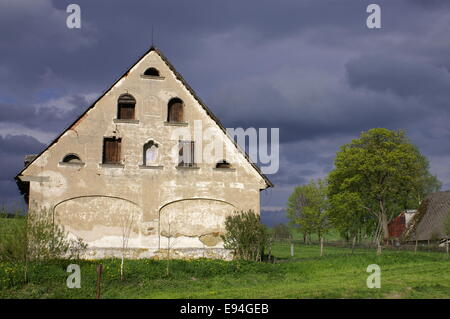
310, 68
13, 148
19, 145
403, 77
56, 114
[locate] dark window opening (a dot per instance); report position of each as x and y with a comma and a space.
150, 153
71, 158
125, 107
111, 150
175, 110
151, 72
186, 154
223, 164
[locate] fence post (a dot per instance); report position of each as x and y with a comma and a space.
321, 246
99, 279
447, 246
292, 249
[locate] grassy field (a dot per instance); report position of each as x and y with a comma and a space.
338, 274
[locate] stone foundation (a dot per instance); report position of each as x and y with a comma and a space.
161, 254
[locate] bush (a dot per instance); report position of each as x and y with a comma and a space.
36, 237
245, 235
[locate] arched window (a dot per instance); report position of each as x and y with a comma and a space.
125, 107
151, 72
175, 110
150, 153
72, 159
223, 164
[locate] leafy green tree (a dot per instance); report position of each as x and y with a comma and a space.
381, 173
348, 216
307, 208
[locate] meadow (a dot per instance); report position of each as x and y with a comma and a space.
338, 274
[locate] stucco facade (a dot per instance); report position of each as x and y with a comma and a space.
167, 205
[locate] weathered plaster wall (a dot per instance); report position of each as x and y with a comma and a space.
94, 201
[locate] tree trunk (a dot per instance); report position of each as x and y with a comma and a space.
121, 267
353, 244
379, 248
384, 222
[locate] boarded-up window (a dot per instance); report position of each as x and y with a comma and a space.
186, 153
125, 107
175, 110
111, 150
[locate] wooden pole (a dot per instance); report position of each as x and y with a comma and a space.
321, 246
447, 246
99, 279
353, 244
292, 249
415, 248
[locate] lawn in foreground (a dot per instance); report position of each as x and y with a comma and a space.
338, 274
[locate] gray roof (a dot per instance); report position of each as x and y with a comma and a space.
428, 222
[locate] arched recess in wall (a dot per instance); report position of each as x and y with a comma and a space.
151, 72
96, 216
194, 217
150, 153
72, 159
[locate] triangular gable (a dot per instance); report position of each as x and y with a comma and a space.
186, 85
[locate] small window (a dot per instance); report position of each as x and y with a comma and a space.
151, 72
175, 110
125, 107
150, 153
72, 158
223, 164
111, 150
186, 154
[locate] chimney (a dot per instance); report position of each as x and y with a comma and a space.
29, 158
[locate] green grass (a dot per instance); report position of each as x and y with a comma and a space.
338, 274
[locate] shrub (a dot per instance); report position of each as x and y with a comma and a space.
36, 237
245, 235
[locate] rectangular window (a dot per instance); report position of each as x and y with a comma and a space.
186, 153
111, 150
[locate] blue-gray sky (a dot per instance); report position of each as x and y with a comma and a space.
311, 68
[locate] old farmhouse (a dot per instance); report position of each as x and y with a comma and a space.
428, 223
124, 165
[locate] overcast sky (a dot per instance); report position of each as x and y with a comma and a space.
311, 68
